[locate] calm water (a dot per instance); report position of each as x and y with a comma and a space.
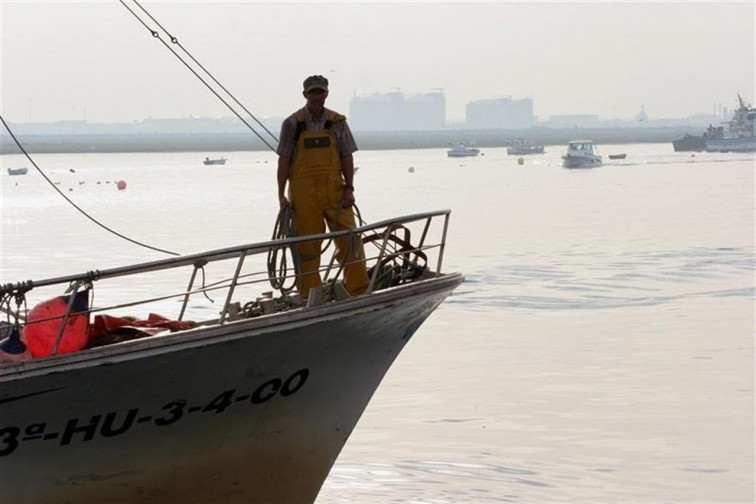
601, 349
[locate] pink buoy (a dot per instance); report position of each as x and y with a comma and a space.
121, 185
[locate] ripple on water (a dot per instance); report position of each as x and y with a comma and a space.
348, 479
571, 280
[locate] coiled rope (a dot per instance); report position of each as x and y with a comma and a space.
278, 264
278, 261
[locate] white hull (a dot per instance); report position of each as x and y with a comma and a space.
125, 424
731, 144
569, 161
244, 410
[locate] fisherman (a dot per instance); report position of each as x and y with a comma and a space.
315, 157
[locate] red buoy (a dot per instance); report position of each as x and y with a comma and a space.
43, 325
121, 185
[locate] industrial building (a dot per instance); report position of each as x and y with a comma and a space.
504, 113
396, 112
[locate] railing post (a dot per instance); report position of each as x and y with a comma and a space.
425, 232
63, 323
374, 276
443, 244
197, 266
231, 287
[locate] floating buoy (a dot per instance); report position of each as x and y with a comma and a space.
411, 169
520, 161
121, 185
72, 170
44, 320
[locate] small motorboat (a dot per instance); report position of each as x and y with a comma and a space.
581, 154
18, 171
617, 156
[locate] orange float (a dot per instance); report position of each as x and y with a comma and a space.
43, 325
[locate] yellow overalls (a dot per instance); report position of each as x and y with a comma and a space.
315, 193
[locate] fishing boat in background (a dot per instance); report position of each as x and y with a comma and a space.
522, 147
133, 400
463, 149
18, 171
690, 143
617, 156
217, 161
581, 154
738, 134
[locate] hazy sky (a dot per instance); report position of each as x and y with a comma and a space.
93, 60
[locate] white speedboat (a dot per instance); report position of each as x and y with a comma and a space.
253, 405
738, 134
463, 149
581, 154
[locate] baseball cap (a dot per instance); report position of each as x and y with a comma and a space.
315, 82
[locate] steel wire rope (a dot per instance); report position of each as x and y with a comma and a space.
85, 214
156, 35
174, 40
282, 228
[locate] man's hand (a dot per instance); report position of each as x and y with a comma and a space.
347, 198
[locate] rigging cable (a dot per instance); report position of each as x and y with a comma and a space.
106, 228
174, 40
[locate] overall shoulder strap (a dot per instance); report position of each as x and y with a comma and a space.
301, 125
333, 117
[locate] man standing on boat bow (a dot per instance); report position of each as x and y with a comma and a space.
315, 156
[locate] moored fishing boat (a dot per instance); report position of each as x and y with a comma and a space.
689, 143
522, 147
18, 171
463, 149
216, 161
252, 406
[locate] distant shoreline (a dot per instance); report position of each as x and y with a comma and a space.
230, 142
